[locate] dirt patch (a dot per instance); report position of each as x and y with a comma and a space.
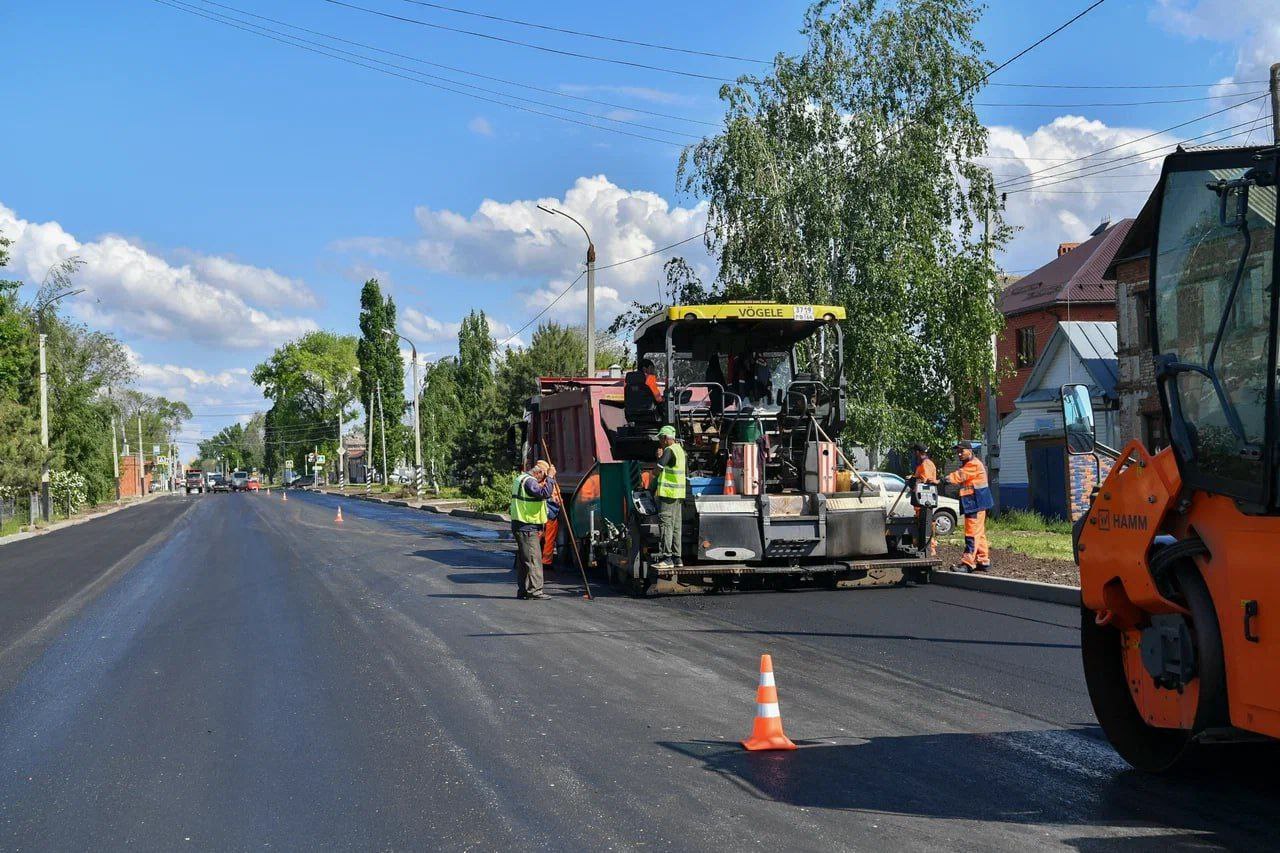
1010, 564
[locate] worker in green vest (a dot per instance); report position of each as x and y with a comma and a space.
529, 495
670, 491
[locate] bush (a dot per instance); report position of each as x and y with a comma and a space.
494, 496
68, 490
1030, 521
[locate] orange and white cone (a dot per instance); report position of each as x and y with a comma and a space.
766, 732
730, 487
338, 520
284, 496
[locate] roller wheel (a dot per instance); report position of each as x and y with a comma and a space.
1147, 748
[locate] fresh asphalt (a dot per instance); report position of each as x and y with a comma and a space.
229, 672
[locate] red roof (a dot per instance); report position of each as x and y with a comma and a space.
1077, 276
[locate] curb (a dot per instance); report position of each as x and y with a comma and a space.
1051, 593
483, 516
72, 522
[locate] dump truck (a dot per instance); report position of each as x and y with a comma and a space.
1179, 578
757, 395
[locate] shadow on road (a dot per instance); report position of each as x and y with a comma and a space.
1062, 776
781, 633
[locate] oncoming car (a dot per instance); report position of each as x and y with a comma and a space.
240, 481
891, 485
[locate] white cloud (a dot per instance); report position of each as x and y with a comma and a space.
1065, 204
262, 285
425, 328
481, 126
501, 240
193, 385
137, 293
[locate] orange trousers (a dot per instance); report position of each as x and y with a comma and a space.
976, 552
549, 531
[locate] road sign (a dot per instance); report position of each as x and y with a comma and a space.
319, 458
288, 464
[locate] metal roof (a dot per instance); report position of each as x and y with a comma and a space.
1077, 276
1094, 344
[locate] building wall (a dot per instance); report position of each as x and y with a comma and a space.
1044, 321
1083, 475
1136, 384
128, 482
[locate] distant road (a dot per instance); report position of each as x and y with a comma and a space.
233, 671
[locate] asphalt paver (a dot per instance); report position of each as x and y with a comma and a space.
250, 674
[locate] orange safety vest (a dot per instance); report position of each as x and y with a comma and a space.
927, 472
975, 492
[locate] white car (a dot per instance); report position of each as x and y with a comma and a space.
945, 517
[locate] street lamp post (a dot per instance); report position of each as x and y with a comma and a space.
591, 288
417, 432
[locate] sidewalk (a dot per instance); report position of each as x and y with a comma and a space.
89, 515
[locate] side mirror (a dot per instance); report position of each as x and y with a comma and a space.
1077, 419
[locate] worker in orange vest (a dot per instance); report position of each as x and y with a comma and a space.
926, 472
975, 500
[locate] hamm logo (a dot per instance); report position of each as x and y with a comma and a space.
1121, 521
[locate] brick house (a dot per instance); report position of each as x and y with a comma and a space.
1074, 281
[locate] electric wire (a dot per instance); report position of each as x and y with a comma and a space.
544, 48
1131, 85
323, 49
547, 308
325, 52
583, 34
1154, 133
1120, 103
457, 70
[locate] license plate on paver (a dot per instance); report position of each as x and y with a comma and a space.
804, 312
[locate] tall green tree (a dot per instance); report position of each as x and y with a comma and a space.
477, 456
310, 381
380, 364
443, 421
848, 175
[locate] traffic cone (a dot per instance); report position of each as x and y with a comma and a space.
766, 732
284, 496
730, 488
338, 520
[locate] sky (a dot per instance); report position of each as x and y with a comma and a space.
228, 191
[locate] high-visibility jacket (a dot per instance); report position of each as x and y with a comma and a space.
926, 471
524, 509
671, 481
975, 492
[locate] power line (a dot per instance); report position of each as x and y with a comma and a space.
566, 31
560, 296
655, 251
1121, 103
1155, 133
418, 80
530, 45
1042, 40
457, 70
1131, 85
1063, 180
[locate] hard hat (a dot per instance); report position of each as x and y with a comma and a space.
667, 432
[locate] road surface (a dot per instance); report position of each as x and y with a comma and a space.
236, 671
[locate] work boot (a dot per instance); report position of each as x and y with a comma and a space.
662, 563
520, 595
982, 567
962, 568
538, 596
677, 563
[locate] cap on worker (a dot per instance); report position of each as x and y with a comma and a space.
964, 445
541, 465
667, 432
919, 447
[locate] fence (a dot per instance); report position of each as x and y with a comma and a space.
20, 507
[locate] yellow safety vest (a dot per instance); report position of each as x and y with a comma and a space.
671, 481
524, 509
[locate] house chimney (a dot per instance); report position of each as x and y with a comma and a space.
1063, 248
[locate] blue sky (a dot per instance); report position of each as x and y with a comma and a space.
228, 192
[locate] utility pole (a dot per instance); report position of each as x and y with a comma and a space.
382, 428
368, 449
46, 506
342, 456
591, 289
992, 436
142, 465
1275, 103
417, 431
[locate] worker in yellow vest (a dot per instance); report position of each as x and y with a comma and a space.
529, 495
670, 492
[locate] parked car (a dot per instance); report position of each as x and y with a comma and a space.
304, 482
945, 517
239, 481
195, 482
254, 483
